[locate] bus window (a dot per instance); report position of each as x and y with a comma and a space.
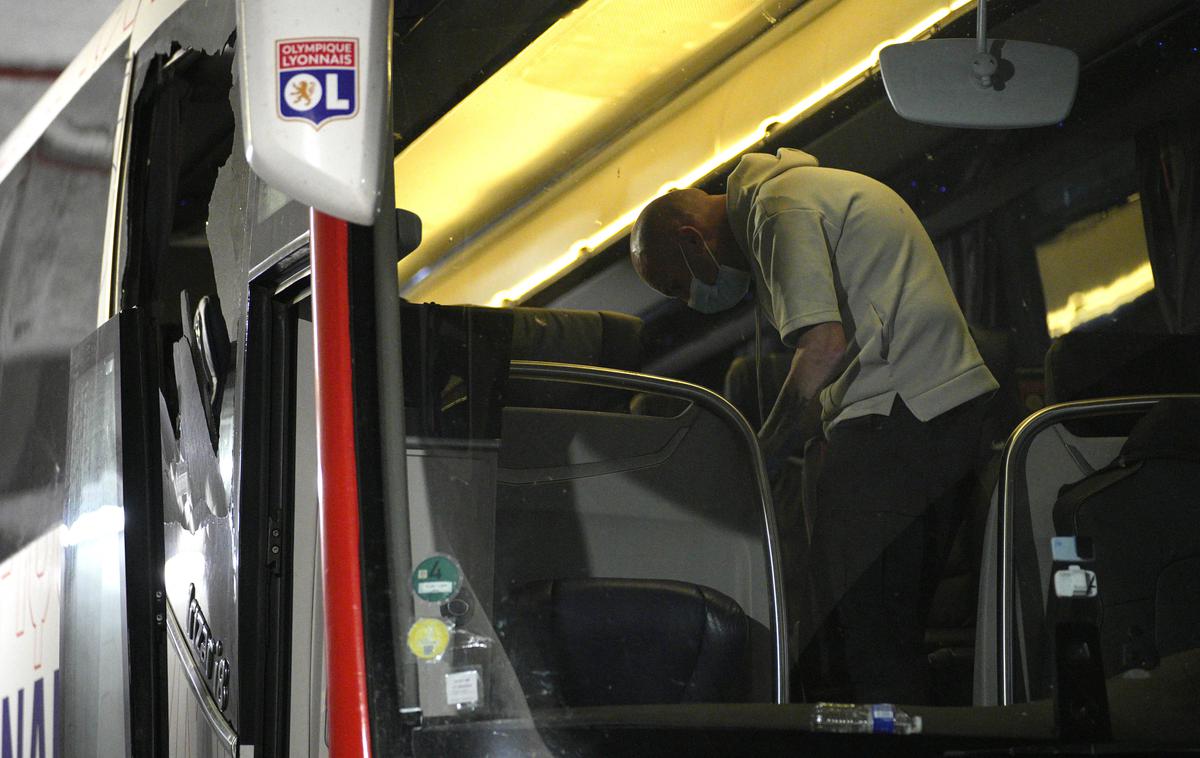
549, 525
1060, 230
50, 280
606, 538
1094, 267
52, 231
191, 203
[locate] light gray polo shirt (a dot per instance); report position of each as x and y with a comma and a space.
829, 245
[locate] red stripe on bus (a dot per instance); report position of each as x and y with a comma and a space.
29, 73
349, 726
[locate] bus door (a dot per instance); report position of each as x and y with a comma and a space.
172, 417
212, 295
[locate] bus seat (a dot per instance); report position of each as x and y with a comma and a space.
739, 387
647, 404
1082, 365
1142, 513
583, 494
596, 642
586, 494
458, 369
1058, 457
589, 338
791, 488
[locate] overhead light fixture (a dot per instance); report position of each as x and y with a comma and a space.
588, 76
598, 241
821, 49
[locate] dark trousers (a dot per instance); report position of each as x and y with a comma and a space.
882, 494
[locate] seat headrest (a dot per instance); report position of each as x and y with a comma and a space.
591, 642
739, 387
1082, 365
591, 338
1167, 431
457, 353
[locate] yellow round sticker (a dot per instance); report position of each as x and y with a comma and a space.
428, 638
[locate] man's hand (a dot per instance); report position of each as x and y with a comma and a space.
796, 417
788, 438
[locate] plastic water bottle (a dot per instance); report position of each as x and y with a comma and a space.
848, 718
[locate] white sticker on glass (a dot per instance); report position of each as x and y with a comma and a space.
462, 687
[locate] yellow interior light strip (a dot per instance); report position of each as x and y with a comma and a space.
520, 138
596, 242
565, 261
1082, 307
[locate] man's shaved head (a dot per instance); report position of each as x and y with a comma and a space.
656, 228
678, 228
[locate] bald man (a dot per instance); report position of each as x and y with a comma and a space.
884, 368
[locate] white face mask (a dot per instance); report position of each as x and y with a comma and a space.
731, 286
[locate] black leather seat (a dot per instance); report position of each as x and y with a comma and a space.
593, 642
593, 338
590, 338
1142, 513
740, 380
1103, 364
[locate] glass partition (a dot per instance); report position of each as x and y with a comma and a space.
1117, 477
581, 536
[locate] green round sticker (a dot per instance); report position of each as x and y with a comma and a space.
436, 579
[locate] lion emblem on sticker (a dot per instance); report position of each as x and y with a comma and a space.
318, 79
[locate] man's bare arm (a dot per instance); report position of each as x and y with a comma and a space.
796, 416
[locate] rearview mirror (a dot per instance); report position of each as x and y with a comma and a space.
941, 82
980, 83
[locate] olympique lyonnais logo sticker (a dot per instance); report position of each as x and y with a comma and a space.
318, 79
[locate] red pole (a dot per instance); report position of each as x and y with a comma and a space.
349, 719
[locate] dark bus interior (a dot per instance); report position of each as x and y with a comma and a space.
996, 204
1000, 206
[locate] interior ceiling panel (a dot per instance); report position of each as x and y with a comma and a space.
520, 182
511, 204
844, 135
443, 49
